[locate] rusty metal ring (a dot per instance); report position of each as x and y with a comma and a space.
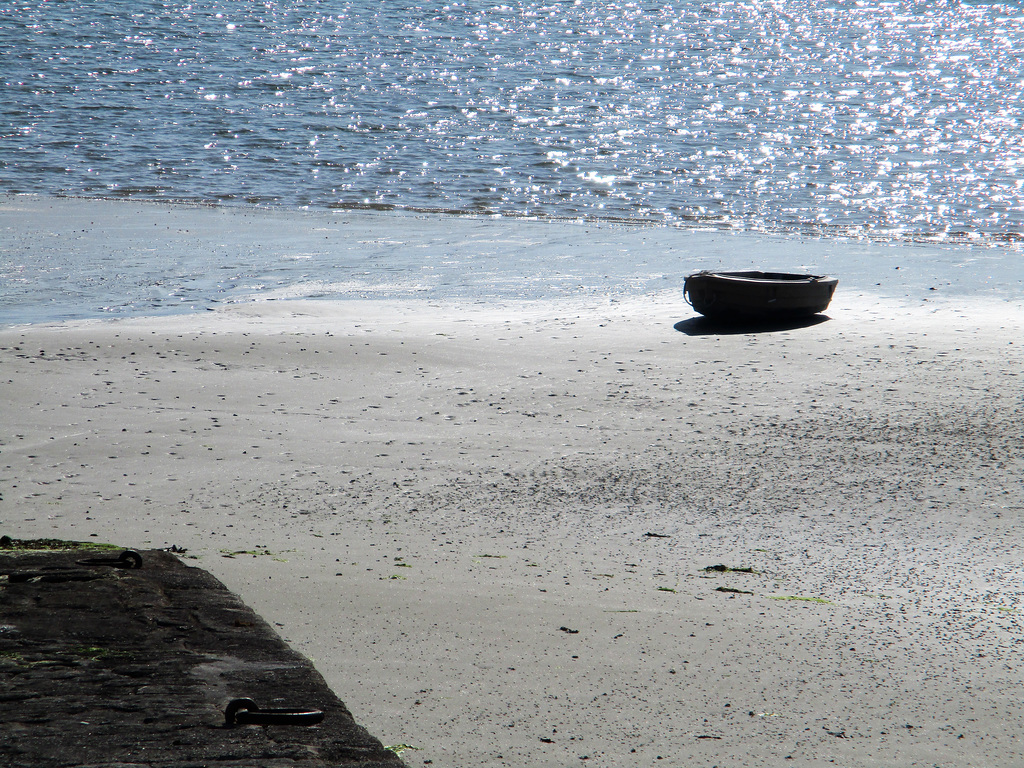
127, 559
130, 559
245, 712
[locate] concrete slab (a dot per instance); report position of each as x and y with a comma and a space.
109, 665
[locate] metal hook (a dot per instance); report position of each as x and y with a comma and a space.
127, 559
245, 712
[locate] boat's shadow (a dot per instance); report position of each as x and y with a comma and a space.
703, 326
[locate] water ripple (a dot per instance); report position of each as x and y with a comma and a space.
893, 120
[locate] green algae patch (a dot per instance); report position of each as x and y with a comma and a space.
20, 661
14, 658
735, 591
98, 652
10, 545
800, 599
398, 749
667, 589
72, 655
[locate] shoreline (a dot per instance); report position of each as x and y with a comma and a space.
65, 259
961, 239
503, 515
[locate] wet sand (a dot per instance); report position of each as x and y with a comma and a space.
490, 529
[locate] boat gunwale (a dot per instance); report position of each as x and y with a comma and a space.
782, 278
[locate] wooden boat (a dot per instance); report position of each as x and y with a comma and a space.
757, 295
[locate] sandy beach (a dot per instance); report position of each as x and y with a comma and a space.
491, 530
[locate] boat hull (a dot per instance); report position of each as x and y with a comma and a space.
754, 295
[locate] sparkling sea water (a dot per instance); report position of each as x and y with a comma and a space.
889, 122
